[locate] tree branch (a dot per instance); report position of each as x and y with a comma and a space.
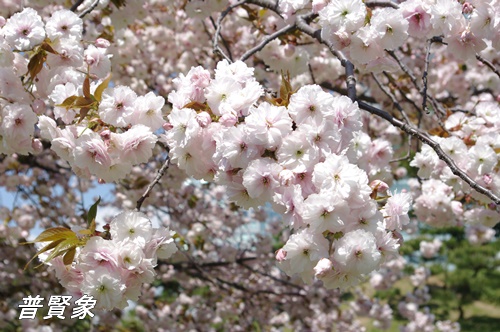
488, 64
89, 9
424, 76
216, 48
76, 5
157, 179
267, 40
374, 4
435, 146
392, 97
301, 22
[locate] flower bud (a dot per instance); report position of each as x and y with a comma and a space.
401, 172
228, 120
37, 145
323, 267
467, 10
38, 106
203, 119
102, 43
379, 187
106, 135
167, 126
280, 255
398, 236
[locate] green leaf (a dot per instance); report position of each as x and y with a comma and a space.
68, 102
69, 256
101, 87
62, 242
93, 212
53, 234
83, 102
83, 113
86, 88
36, 63
47, 47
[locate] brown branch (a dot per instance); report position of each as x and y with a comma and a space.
301, 22
267, 40
392, 97
157, 179
383, 4
216, 48
423, 92
76, 5
488, 64
435, 146
89, 9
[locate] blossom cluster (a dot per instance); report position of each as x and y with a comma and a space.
49, 74
299, 157
474, 147
363, 35
113, 270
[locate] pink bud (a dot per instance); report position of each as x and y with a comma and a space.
467, 8
280, 255
38, 106
102, 43
2, 21
203, 119
167, 126
323, 268
398, 236
106, 134
379, 186
228, 120
401, 172
37, 145
487, 179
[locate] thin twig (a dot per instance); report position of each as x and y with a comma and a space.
406, 156
405, 69
423, 92
301, 22
364, 97
216, 48
224, 41
383, 4
313, 79
76, 5
89, 9
270, 276
392, 97
267, 40
269, 4
488, 64
157, 179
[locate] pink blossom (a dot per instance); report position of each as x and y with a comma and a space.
24, 30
